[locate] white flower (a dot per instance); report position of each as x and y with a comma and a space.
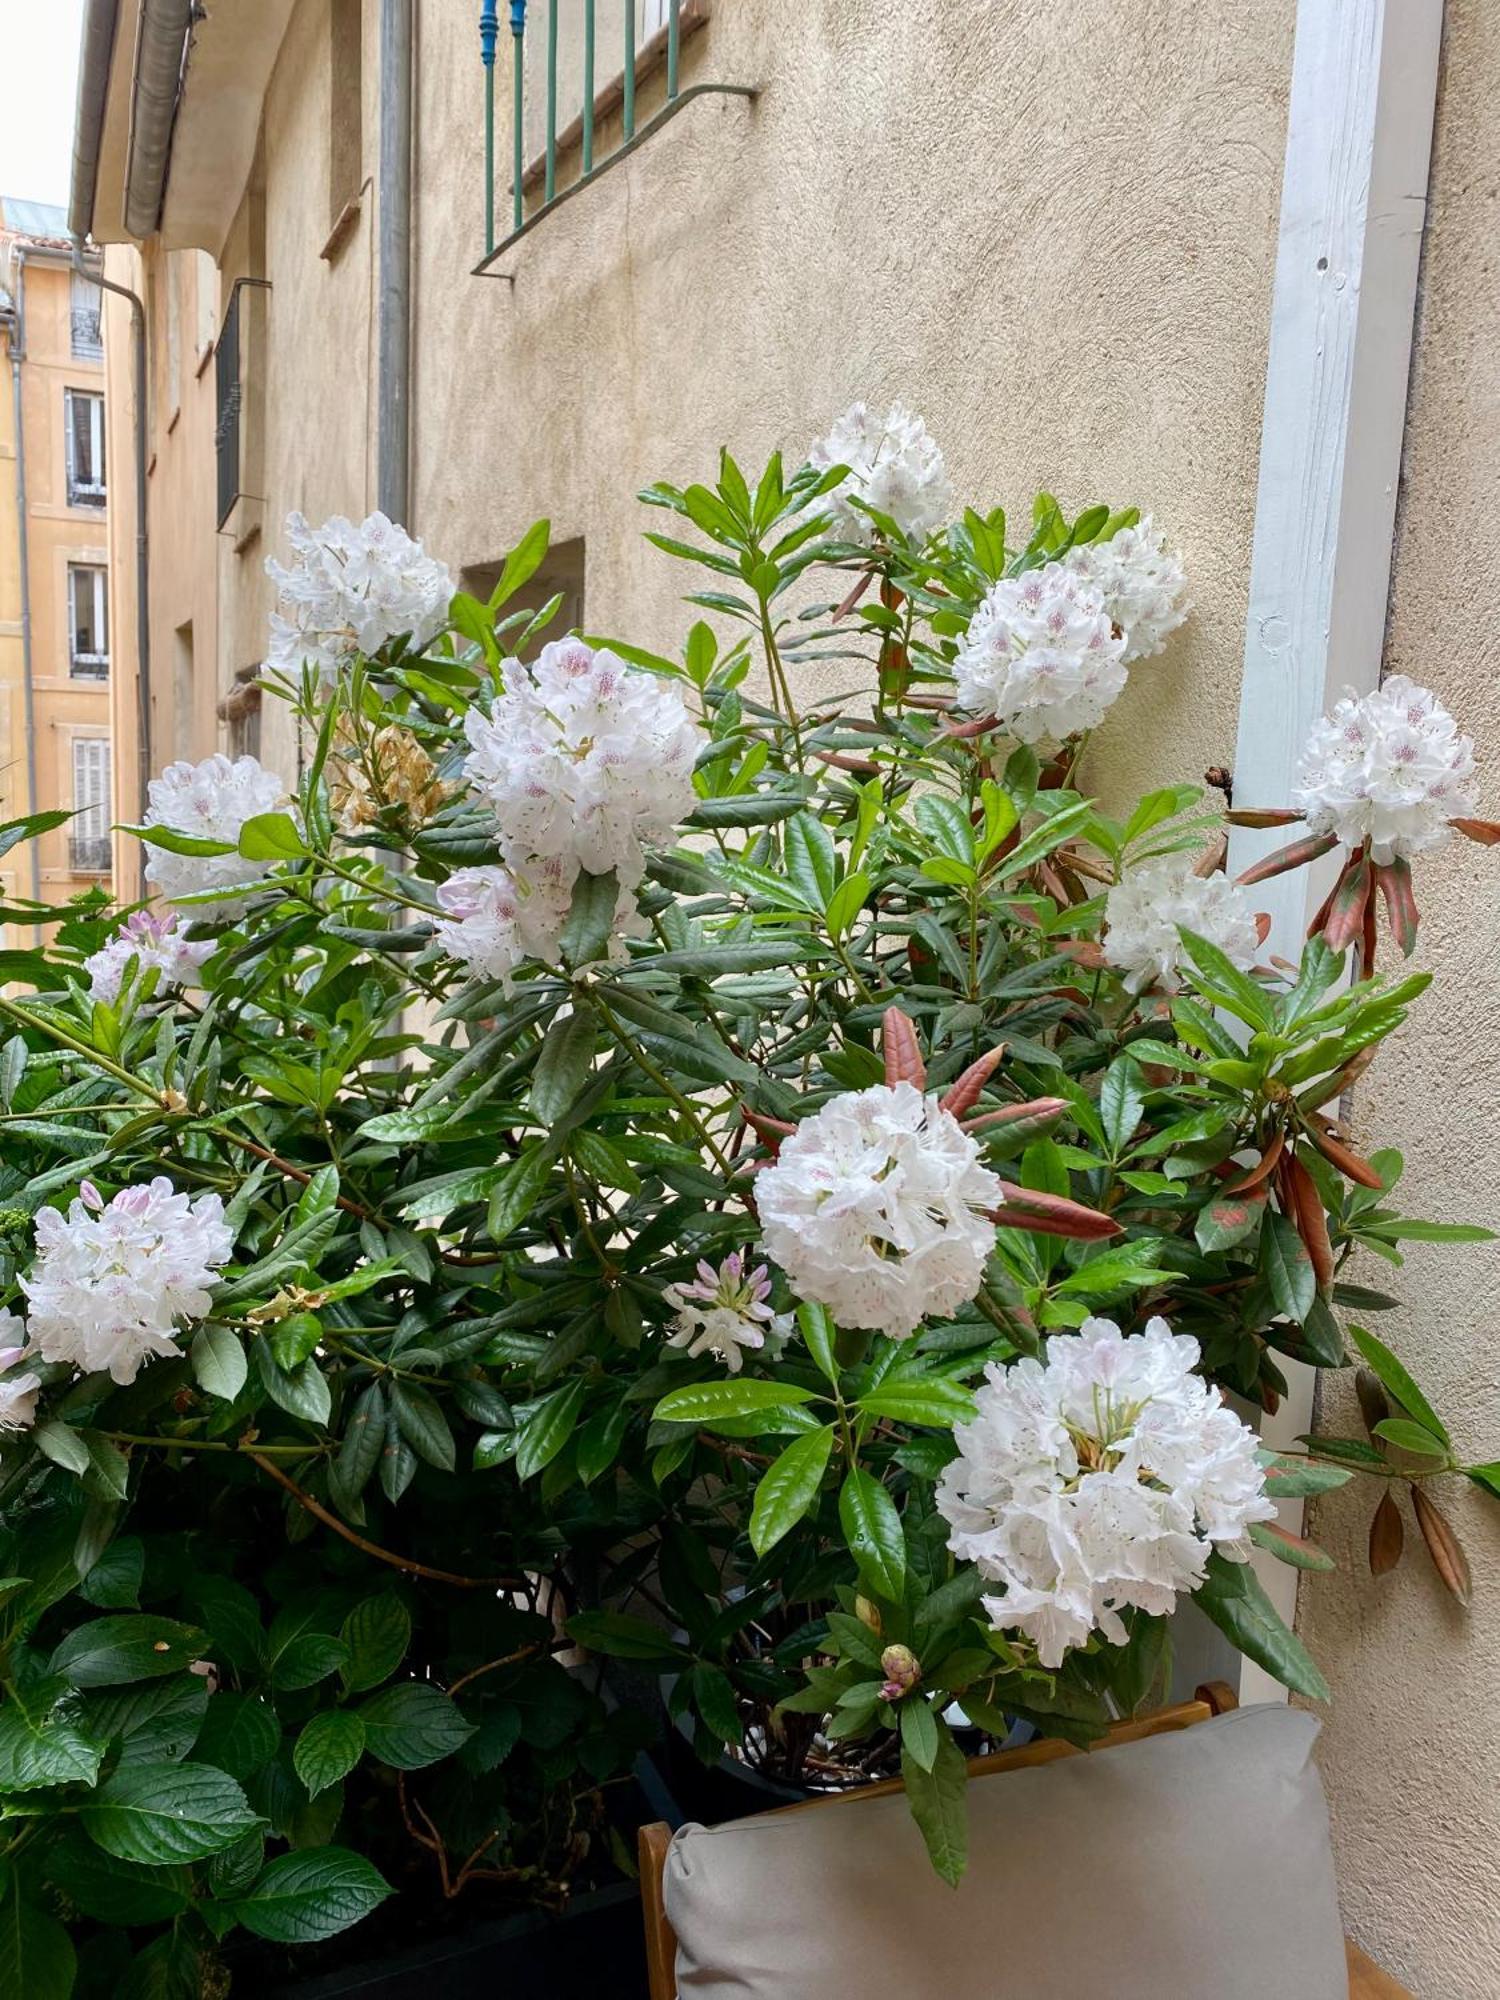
352, 590
1143, 910
494, 922
584, 761
211, 801
111, 1280
876, 1208
1142, 584
1100, 1479
1389, 767
724, 1312
18, 1393
894, 465
152, 941
1041, 655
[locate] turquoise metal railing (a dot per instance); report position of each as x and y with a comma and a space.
635, 64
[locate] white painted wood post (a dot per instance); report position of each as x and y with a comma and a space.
1353, 203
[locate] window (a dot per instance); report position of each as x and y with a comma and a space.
345, 107
88, 833
86, 319
83, 416
88, 622
228, 399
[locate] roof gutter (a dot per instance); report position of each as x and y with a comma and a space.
161, 49
96, 50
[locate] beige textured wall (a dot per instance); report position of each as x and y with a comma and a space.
1412, 1750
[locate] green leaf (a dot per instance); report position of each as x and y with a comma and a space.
43, 1751
946, 824
1485, 1476
847, 900
1124, 1268
1223, 982
810, 860
1409, 1229
542, 1434
272, 836
328, 1749
749, 809
706, 1402
36, 1956
523, 562
1287, 1268
1291, 1549
1229, 1219
106, 1652
305, 1660
377, 1633
1232, 1596
118, 1893
240, 1734
563, 1065
919, 1733
789, 1488
1395, 1377
420, 1419
412, 1724
302, 1898
1057, 827
219, 1364
591, 918
938, 1802
1411, 1437
62, 1444
165, 1813
934, 1401
622, 1637
519, 1189
1292, 1478
818, 1330
1122, 1099
872, 1530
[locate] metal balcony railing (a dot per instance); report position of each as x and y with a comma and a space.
88, 667
90, 853
85, 492
660, 51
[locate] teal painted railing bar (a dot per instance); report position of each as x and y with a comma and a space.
618, 97
518, 116
551, 180
588, 86
629, 70
489, 32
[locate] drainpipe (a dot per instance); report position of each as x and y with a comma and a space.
160, 57
96, 50
142, 540
17, 353
393, 327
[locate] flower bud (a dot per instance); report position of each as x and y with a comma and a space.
867, 1614
902, 1672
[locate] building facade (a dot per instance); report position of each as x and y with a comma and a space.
55, 610
1055, 232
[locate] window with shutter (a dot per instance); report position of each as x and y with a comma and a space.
88, 622
86, 319
84, 422
88, 833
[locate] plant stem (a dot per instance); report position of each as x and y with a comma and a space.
663, 1082
70, 1041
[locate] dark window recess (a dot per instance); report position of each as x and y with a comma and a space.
560, 576
228, 403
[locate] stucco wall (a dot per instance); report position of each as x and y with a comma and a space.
1411, 1750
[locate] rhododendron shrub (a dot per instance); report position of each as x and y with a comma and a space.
623, 1163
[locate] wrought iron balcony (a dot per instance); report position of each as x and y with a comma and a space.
90, 853
660, 51
88, 667
85, 492
87, 335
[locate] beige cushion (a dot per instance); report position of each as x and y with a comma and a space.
1191, 1866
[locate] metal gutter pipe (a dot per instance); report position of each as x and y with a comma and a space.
160, 58
142, 535
393, 321
95, 51
28, 697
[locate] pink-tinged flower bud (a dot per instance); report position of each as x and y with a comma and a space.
902, 1671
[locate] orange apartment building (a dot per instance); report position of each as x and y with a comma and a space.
54, 558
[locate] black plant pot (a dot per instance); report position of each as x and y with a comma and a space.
725, 1789
528, 1957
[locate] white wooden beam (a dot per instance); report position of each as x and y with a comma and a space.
1353, 204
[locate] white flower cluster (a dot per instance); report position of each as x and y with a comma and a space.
723, 1312
493, 922
1389, 767
1099, 1479
876, 1207
352, 590
1041, 655
1144, 909
1141, 581
210, 801
585, 762
155, 943
18, 1392
112, 1280
894, 465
